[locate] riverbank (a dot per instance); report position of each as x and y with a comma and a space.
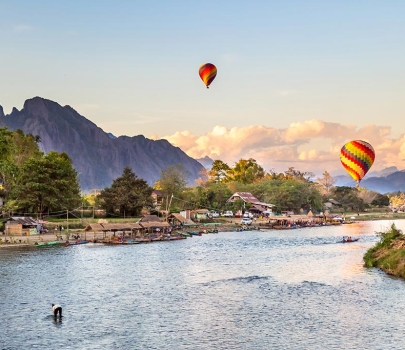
389, 253
223, 224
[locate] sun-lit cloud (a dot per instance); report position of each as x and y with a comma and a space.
313, 145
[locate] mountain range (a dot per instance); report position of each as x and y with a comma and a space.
385, 181
97, 156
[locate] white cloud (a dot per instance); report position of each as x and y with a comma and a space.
313, 145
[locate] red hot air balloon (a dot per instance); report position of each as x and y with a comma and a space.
207, 72
357, 157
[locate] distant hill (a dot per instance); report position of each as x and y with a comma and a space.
98, 157
389, 180
206, 162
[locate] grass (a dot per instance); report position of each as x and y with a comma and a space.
389, 253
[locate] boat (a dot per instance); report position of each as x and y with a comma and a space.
69, 243
349, 241
130, 241
194, 233
48, 244
184, 234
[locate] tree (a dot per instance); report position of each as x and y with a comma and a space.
348, 198
287, 194
381, 200
46, 183
219, 171
398, 201
128, 194
326, 183
173, 180
291, 173
246, 171
15, 149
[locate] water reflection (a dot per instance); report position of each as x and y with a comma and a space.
296, 289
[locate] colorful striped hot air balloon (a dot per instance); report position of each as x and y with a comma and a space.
207, 72
357, 157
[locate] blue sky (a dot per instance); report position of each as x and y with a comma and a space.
132, 66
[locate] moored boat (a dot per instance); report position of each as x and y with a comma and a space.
194, 233
69, 243
48, 244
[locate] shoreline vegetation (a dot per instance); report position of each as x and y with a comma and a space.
389, 253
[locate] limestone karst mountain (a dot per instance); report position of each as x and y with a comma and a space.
97, 157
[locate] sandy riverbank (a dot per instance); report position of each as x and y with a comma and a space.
14, 241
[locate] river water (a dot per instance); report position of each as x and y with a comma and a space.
293, 289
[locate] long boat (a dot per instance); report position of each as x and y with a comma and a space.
349, 241
48, 244
184, 234
194, 233
69, 243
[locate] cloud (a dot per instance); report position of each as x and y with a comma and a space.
312, 145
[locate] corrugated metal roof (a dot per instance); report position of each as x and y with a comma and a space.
24, 220
247, 197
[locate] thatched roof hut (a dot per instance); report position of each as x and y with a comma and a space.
94, 228
154, 224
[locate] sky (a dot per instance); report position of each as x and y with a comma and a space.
296, 79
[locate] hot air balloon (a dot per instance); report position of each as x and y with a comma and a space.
207, 72
357, 157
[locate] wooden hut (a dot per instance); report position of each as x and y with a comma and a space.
176, 219
19, 225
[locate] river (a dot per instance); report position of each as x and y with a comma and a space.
292, 289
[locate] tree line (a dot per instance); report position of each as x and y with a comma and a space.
34, 182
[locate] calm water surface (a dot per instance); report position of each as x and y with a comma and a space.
295, 289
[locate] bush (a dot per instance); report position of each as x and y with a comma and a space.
379, 255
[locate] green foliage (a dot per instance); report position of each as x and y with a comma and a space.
45, 183
238, 204
294, 174
173, 180
219, 171
15, 149
246, 171
288, 194
348, 197
372, 259
381, 200
128, 194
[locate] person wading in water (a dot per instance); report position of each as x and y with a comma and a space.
56, 309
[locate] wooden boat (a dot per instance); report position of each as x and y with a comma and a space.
48, 244
194, 233
184, 234
211, 231
69, 243
130, 241
349, 241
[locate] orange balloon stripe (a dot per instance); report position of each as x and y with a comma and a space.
357, 157
355, 175
207, 73
360, 150
356, 160
366, 148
